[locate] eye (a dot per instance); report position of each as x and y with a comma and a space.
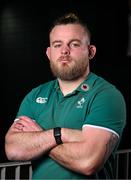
56, 45
74, 44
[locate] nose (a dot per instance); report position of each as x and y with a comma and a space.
65, 50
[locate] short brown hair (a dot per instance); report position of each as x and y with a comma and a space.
70, 18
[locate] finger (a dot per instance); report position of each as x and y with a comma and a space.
28, 125
19, 127
17, 119
25, 118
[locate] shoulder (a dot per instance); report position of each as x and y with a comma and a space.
45, 86
104, 92
99, 84
107, 103
42, 89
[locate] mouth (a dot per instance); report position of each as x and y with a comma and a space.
64, 59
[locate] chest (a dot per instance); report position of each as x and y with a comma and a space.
69, 112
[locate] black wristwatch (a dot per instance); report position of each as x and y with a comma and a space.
57, 135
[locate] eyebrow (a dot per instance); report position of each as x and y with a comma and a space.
59, 41
56, 41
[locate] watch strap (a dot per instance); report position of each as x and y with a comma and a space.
57, 135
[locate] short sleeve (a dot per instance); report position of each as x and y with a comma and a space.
26, 106
108, 110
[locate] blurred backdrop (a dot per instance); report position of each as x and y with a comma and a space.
24, 37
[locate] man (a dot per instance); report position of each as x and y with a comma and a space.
70, 127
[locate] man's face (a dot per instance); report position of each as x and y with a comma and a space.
68, 52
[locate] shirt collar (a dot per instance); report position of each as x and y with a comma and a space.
56, 85
85, 86
88, 83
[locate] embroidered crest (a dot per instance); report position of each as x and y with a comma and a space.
41, 100
80, 103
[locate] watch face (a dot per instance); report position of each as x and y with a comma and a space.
57, 131
57, 135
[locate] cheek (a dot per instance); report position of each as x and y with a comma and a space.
80, 52
54, 54
80, 55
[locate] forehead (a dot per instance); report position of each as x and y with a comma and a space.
67, 31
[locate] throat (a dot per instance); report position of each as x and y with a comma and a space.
68, 87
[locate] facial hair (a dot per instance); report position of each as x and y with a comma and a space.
68, 72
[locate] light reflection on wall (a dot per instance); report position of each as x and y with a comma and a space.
9, 26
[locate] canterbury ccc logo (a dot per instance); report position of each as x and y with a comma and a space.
41, 100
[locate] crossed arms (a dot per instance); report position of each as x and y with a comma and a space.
83, 151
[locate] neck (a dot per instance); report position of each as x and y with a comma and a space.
69, 86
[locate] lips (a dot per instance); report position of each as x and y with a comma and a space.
64, 59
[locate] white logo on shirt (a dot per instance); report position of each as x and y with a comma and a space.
80, 103
41, 100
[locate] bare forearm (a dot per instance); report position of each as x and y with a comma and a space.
28, 145
86, 155
71, 153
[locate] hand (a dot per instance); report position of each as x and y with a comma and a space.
26, 124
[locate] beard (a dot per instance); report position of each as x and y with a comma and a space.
69, 71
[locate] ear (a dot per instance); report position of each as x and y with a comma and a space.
92, 51
48, 52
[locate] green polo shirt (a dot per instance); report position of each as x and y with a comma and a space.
95, 103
